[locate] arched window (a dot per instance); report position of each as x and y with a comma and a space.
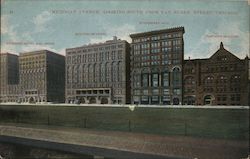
208, 99
86, 74
119, 71
76, 73
103, 72
80, 73
90, 73
113, 71
96, 72
222, 80
209, 80
108, 71
235, 79
83, 73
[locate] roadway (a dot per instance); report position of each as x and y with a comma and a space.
121, 145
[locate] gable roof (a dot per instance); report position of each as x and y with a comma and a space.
223, 54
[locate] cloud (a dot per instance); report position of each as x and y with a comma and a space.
41, 21
234, 39
8, 31
4, 24
122, 32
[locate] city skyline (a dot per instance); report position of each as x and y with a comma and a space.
52, 26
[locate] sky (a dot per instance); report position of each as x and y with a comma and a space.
28, 25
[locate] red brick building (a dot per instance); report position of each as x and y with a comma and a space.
221, 79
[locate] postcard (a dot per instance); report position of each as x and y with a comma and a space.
124, 79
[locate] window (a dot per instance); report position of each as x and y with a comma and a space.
222, 80
155, 99
166, 49
144, 100
145, 92
209, 80
136, 92
155, 79
155, 50
190, 81
165, 79
155, 91
145, 80
177, 91
166, 91
235, 79
176, 76
137, 80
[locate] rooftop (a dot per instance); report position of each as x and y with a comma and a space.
168, 30
114, 40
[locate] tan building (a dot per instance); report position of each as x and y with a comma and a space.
98, 73
222, 79
9, 77
42, 76
156, 67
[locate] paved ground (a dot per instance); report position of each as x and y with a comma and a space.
178, 146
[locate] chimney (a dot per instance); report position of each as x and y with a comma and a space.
221, 45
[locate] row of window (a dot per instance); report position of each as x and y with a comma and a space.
104, 48
152, 63
233, 97
165, 91
222, 89
221, 68
158, 37
157, 44
106, 91
158, 56
158, 50
153, 80
95, 73
222, 79
32, 58
95, 57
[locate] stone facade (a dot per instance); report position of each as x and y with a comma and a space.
156, 67
98, 73
222, 79
9, 77
42, 77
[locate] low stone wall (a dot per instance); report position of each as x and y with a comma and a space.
210, 123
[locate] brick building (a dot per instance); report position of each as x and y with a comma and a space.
9, 77
98, 73
156, 66
222, 79
42, 77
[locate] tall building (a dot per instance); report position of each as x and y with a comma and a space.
222, 79
156, 67
9, 77
42, 77
98, 73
